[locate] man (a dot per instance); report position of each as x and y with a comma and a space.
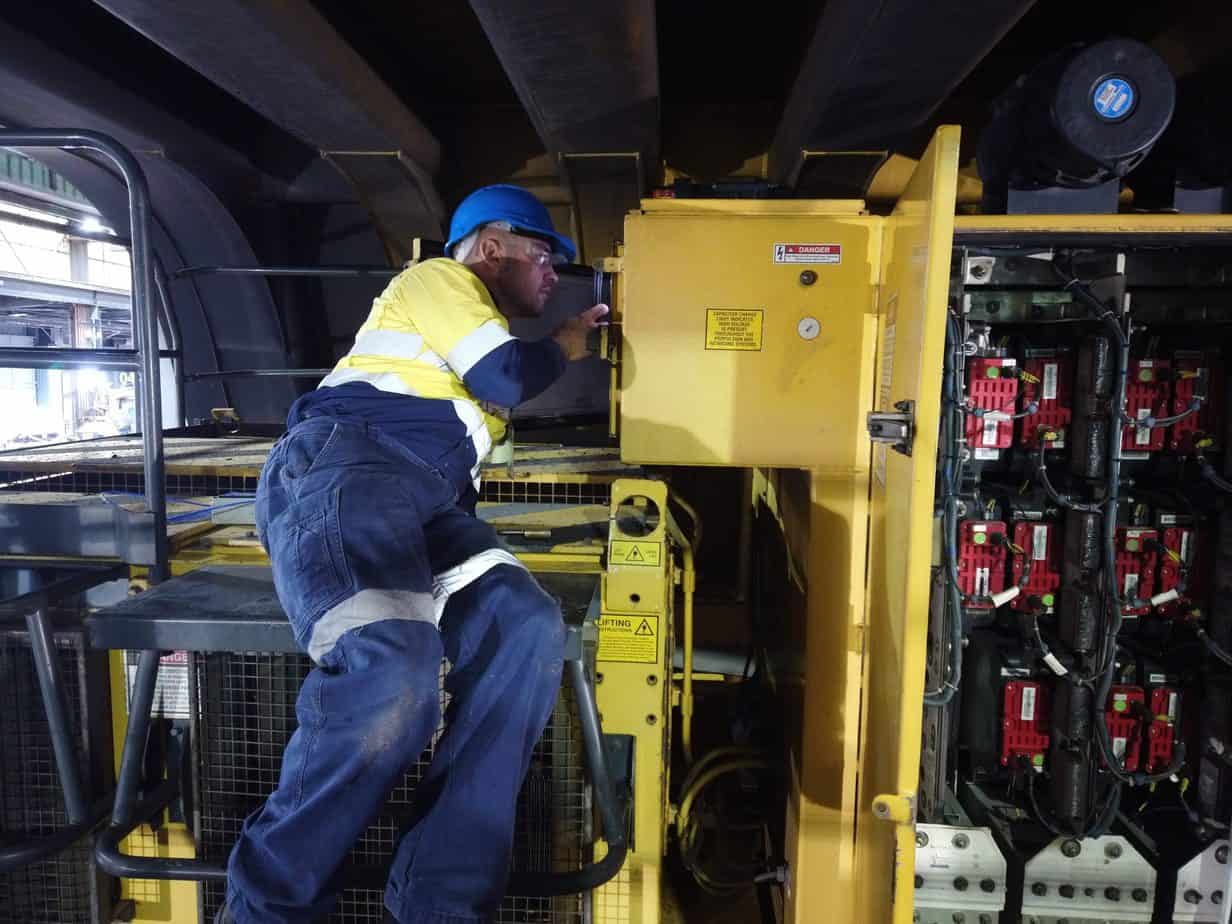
366, 507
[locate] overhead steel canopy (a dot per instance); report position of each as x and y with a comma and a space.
876, 70
284, 60
588, 77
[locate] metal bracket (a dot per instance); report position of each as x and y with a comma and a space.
897, 429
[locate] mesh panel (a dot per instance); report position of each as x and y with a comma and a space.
58, 890
99, 482
544, 492
247, 714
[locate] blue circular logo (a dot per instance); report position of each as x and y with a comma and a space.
1113, 99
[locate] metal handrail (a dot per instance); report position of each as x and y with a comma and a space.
145, 358
131, 810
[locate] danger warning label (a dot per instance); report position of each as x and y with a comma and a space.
733, 328
808, 253
629, 638
624, 552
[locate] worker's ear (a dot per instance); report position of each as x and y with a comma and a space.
491, 249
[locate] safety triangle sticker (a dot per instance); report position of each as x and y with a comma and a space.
644, 629
635, 555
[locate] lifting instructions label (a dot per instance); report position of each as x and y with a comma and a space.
624, 552
734, 329
629, 638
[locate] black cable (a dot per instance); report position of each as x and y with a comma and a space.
1061, 500
1209, 473
1214, 647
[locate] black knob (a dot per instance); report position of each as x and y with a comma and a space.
960, 883
1039, 888
988, 885
1067, 891
1141, 895
1112, 893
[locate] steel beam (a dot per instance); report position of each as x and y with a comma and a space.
13, 285
288, 63
588, 77
851, 92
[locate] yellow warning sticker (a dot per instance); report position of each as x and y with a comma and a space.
625, 552
629, 638
734, 328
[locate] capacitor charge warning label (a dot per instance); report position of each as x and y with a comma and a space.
734, 329
829, 254
632, 639
624, 552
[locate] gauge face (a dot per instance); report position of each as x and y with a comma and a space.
808, 328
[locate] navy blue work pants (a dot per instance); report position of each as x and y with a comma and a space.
382, 575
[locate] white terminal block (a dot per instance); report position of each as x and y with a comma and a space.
1100, 880
999, 600
1202, 887
1168, 596
959, 871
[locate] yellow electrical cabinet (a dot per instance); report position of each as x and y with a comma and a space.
763, 334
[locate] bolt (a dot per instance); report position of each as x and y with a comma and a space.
921, 838
960, 883
1112, 893
1140, 895
881, 809
1113, 851
1217, 898
1067, 891
1221, 854
959, 918
1194, 897
1039, 888
979, 271
652, 719
961, 841
988, 885
652, 679
807, 278
1088, 892
1071, 848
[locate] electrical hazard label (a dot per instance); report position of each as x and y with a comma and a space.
624, 552
734, 328
629, 638
830, 254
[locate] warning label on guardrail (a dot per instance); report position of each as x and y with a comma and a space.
629, 638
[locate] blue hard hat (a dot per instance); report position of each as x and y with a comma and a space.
513, 204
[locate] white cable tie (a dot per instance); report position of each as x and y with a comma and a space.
999, 600
1168, 596
1056, 666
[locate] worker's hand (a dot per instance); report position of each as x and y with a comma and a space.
571, 336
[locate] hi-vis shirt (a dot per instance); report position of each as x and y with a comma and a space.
435, 367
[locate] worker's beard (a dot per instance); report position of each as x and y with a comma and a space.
520, 292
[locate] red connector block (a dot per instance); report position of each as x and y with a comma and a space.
1041, 543
981, 561
1135, 567
1124, 720
1196, 372
992, 399
1048, 384
1162, 732
1146, 395
1024, 723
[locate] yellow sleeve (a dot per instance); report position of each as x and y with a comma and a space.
450, 307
